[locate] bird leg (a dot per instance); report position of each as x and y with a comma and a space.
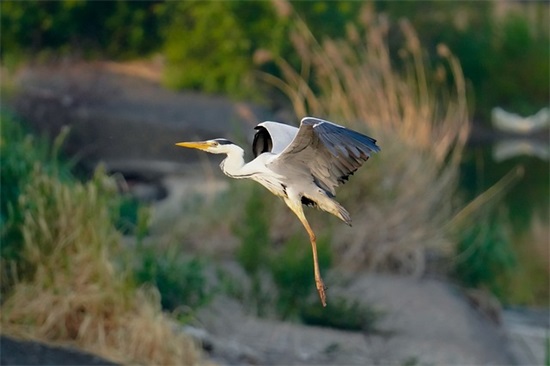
318, 280
297, 209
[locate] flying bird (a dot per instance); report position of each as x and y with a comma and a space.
302, 165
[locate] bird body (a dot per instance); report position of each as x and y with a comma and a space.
302, 165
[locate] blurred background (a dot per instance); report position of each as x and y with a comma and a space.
112, 237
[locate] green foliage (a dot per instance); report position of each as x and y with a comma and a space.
486, 255
292, 271
20, 155
46, 211
410, 361
209, 44
328, 18
181, 283
522, 278
253, 253
64, 232
117, 29
527, 284
254, 232
504, 59
341, 314
64, 285
129, 215
547, 352
518, 74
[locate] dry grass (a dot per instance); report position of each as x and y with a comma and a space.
403, 198
73, 293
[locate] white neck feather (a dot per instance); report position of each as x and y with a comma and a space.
233, 165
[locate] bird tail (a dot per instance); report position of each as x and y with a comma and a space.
343, 214
331, 206
337, 210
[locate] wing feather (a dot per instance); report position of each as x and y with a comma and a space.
328, 152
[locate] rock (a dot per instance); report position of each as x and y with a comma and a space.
433, 323
23, 352
528, 331
128, 122
426, 322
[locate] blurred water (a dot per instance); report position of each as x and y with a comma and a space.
523, 205
527, 197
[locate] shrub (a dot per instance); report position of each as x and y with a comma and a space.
19, 154
182, 284
341, 314
254, 250
524, 89
282, 281
68, 289
485, 254
254, 232
292, 271
117, 29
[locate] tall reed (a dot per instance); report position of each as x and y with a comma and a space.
405, 195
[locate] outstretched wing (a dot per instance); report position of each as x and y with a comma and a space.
327, 151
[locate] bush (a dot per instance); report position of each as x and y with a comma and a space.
292, 272
341, 314
20, 153
254, 250
486, 254
254, 232
489, 46
117, 29
282, 280
209, 45
524, 89
182, 284
67, 286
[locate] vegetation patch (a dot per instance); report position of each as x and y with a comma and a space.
342, 314
66, 285
181, 283
403, 197
282, 281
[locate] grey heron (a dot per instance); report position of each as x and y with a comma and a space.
302, 165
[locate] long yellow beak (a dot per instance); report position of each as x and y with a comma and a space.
201, 145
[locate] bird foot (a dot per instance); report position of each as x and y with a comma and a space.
321, 288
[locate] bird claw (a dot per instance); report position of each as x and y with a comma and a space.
321, 288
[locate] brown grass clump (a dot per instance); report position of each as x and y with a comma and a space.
402, 199
72, 292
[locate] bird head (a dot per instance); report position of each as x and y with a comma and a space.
216, 146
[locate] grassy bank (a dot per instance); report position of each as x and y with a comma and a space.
65, 274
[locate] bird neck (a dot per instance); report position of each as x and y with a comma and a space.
233, 165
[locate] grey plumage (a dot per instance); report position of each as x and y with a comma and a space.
329, 152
